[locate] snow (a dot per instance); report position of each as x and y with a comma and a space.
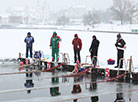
12, 42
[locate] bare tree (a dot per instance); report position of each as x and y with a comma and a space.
119, 10
63, 20
93, 17
123, 10
132, 11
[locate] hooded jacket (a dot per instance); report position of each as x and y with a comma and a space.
77, 43
54, 42
94, 46
29, 41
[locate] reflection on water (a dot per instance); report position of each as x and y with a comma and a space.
29, 82
54, 91
94, 99
62, 88
119, 97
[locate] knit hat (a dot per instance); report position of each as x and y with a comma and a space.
55, 33
76, 35
119, 35
29, 33
94, 36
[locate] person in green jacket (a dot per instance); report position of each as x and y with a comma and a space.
54, 44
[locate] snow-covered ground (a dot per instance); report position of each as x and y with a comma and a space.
12, 42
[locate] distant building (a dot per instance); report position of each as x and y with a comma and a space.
40, 13
15, 19
75, 14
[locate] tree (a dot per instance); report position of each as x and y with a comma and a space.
123, 10
132, 11
92, 18
63, 20
119, 10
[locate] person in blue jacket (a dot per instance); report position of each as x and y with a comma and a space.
29, 40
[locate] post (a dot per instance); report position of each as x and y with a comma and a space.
64, 57
130, 64
20, 56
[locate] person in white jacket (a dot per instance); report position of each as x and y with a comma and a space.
120, 45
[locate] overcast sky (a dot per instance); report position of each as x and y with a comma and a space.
55, 4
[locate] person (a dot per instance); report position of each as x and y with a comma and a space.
77, 67
94, 49
37, 54
29, 40
77, 45
54, 44
120, 45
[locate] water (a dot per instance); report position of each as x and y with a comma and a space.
106, 92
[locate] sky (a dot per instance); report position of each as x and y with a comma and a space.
55, 4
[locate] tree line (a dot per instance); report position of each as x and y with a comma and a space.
124, 11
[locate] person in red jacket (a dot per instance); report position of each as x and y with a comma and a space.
77, 46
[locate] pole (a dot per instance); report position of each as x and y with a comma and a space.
20, 56
130, 64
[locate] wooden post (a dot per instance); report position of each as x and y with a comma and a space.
130, 64
64, 57
20, 56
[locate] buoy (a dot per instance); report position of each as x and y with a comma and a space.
48, 64
20, 69
107, 72
26, 61
21, 63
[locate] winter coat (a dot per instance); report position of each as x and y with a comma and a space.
77, 43
94, 46
29, 41
54, 42
120, 44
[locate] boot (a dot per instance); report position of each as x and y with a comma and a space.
52, 59
116, 67
57, 59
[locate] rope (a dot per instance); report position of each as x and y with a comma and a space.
38, 88
28, 65
47, 70
77, 74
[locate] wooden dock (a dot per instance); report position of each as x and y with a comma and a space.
99, 71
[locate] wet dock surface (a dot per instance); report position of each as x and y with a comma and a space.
13, 88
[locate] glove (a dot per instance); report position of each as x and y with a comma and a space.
50, 46
116, 45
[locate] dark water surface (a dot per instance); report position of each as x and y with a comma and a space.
105, 92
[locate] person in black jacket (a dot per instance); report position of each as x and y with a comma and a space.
94, 49
120, 45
